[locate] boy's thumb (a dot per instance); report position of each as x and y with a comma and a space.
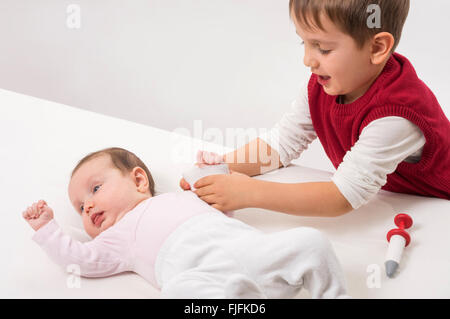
235, 173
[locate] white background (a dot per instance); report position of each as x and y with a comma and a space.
230, 63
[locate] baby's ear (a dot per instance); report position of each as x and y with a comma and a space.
141, 180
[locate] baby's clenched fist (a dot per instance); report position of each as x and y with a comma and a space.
38, 214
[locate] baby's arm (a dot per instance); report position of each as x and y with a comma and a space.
95, 258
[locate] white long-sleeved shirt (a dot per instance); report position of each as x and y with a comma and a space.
383, 144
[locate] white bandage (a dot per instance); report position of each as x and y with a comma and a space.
194, 174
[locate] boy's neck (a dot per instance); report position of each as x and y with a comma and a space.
353, 96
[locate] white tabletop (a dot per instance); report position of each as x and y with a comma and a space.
42, 141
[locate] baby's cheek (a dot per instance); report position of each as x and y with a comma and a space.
87, 226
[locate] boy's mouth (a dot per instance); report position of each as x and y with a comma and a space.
323, 79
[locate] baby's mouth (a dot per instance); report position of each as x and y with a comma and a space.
97, 219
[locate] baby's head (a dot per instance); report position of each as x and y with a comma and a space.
348, 42
107, 184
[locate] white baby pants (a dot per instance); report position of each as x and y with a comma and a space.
214, 256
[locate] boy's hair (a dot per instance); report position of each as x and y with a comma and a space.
123, 160
351, 16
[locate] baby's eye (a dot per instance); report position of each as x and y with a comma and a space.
81, 208
96, 188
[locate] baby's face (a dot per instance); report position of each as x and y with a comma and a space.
344, 68
102, 194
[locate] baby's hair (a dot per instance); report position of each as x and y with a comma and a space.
351, 16
123, 160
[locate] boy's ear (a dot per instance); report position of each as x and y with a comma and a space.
381, 47
140, 179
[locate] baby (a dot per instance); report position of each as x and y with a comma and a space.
177, 242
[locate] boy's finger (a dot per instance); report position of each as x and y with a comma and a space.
41, 203
184, 185
204, 191
204, 181
218, 159
236, 173
35, 210
199, 156
208, 157
213, 158
210, 199
28, 213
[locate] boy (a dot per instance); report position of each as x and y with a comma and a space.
379, 124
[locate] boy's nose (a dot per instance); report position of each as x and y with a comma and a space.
310, 61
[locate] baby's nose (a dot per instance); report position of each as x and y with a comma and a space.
87, 207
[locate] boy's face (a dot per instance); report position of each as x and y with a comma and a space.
102, 195
342, 67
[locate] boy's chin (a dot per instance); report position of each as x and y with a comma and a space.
330, 91
333, 92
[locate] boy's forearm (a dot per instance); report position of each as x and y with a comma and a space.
315, 199
254, 158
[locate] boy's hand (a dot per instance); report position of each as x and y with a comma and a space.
209, 158
184, 185
203, 158
38, 214
226, 192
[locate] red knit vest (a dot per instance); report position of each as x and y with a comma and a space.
396, 92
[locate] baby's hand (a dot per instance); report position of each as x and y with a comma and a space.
38, 214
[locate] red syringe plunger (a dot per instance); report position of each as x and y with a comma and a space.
403, 221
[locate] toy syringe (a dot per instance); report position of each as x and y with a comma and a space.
398, 239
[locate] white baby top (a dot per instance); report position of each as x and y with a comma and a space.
382, 145
132, 244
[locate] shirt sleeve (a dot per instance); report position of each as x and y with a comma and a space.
382, 145
294, 132
94, 258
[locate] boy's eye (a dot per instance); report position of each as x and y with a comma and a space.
81, 208
96, 188
324, 52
